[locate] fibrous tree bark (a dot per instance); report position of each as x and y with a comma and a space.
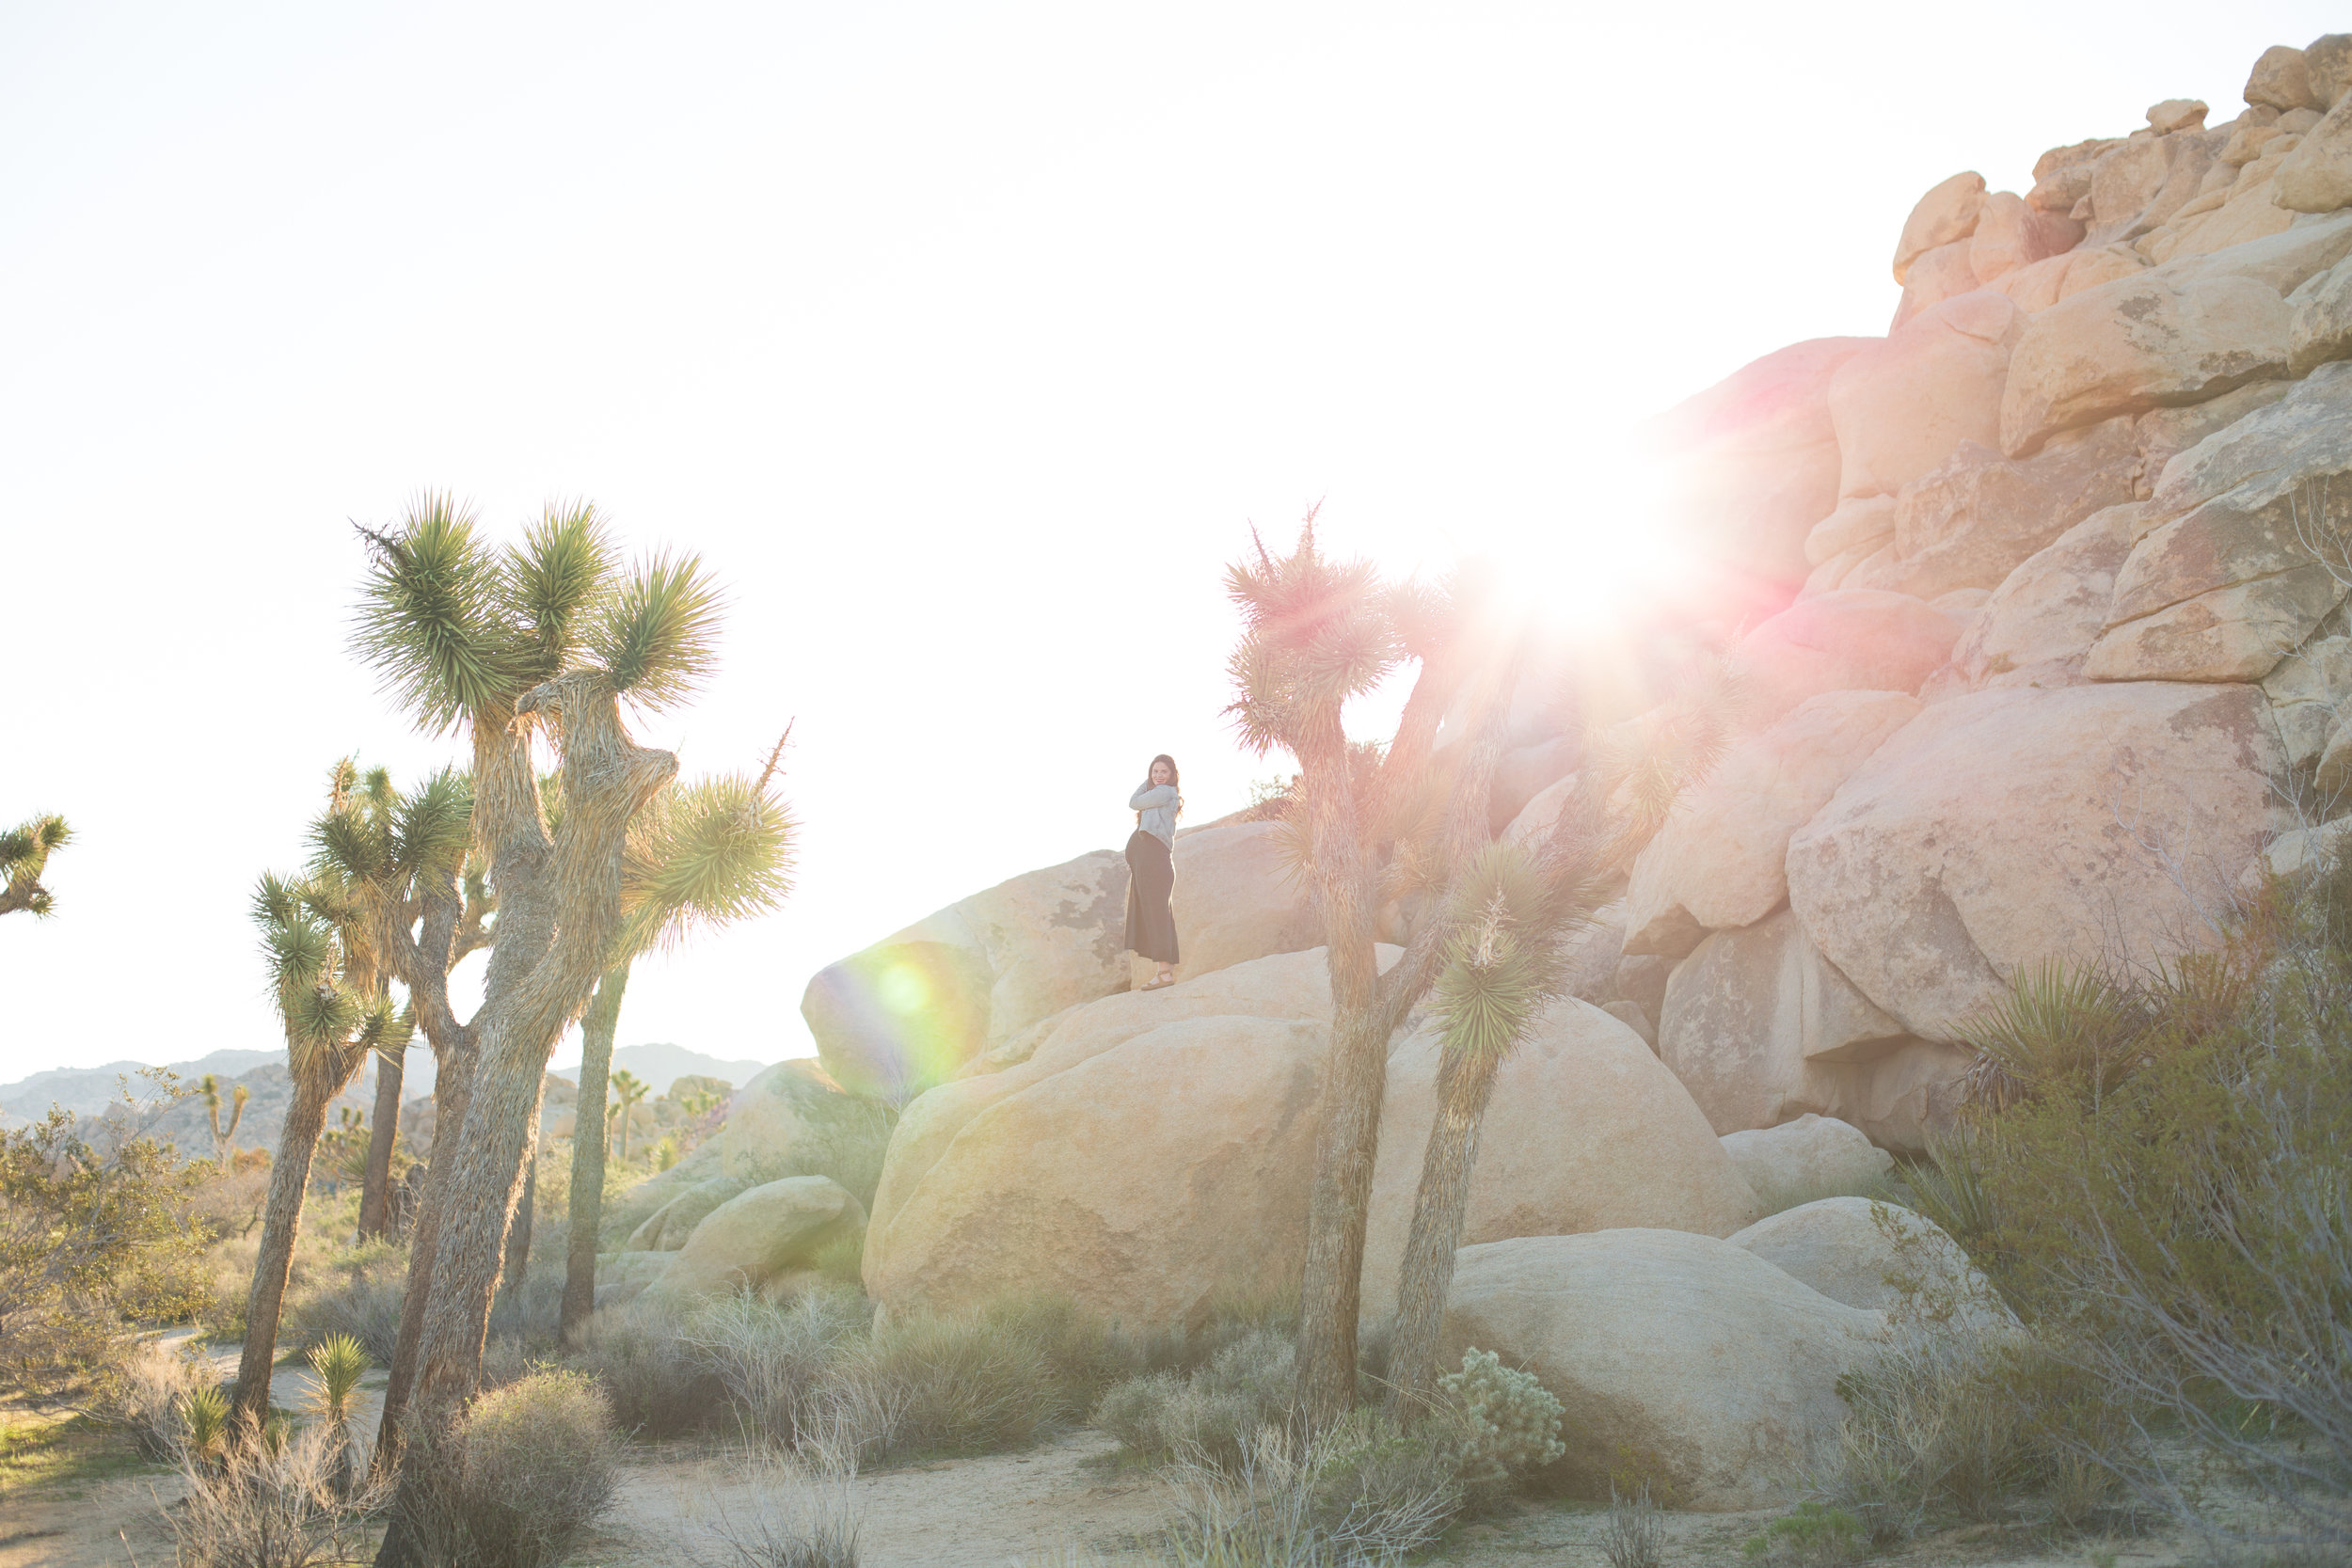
1316, 633
706, 856
1513, 906
538, 644
334, 1010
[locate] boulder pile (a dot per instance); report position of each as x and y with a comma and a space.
2039, 603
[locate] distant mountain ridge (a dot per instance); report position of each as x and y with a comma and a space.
87, 1091
662, 1064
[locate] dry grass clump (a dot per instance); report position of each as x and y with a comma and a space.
287, 1500
776, 1363
523, 1474
148, 1394
942, 1385
1947, 1428
656, 1381
1634, 1536
1363, 1495
780, 1512
356, 1293
1211, 1417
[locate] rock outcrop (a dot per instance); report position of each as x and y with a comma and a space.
1587, 1131
1882, 1258
1686, 1357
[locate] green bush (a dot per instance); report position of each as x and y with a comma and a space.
1947, 1427
526, 1471
1815, 1533
1211, 1417
1511, 1422
942, 1385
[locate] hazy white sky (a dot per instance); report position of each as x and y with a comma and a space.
965, 341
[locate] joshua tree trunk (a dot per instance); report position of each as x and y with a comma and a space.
1353, 1082
598, 1027
559, 914
518, 1260
288, 1178
1466, 1081
383, 1130
1367, 1008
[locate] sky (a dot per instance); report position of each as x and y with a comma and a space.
964, 342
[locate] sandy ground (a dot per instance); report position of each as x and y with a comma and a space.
1046, 1507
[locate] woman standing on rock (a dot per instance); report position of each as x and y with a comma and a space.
1151, 869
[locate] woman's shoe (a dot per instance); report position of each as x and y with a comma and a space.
1157, 985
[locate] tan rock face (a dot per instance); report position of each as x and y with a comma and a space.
2012, 233
1140, 1182
756, 1235
2321, 327
1853, 639
1880, 1257
1944, 273
2316, 177
2003, 829
785, 1109
1748, 1013
1814, 1156
1860, 523
2167, 433
2279, 81
912, 1008
2306, 691
1711, 1366
2041, 284
2062, 176
1945, 216
1290, 987
1904, 405
2134, 188
1752, 462
1587, 1131
2327, 68
667, 1229
2227, 587
1970, 522
1717, 862
2138, 344
2038, 627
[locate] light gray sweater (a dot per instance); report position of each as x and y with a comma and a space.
1159, 805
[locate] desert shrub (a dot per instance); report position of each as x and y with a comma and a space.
942, 1385
93, 1243
2162, 1159
1361, 1493
1812, 1533
1510, 1424
779, 1513
1946, 1427
287, 1502
521, 1476
355, 1292
1633, 1536
776, 1363
843, 1136
658, 1384
145, 1395
1084, 1355
1211, 1417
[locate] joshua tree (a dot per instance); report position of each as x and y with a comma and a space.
1316, 632
538, 643
23, 855
628, 1090
224, 1138
706, 856
334, 1015
392, 848
1510, 910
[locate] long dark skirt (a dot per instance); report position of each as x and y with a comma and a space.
1150, 877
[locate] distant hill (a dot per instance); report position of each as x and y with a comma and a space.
662, 1065
86, 1091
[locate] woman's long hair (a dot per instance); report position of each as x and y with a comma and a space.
1175, 779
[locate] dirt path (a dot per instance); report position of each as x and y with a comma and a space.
954, 1513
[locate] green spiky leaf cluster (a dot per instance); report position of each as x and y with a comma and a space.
1315, 631
460, 631
703, 855
24, 851
1502, 962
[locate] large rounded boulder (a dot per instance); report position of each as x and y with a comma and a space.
1684, 1357
1586, 1130
2007, 827
1881, 1256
